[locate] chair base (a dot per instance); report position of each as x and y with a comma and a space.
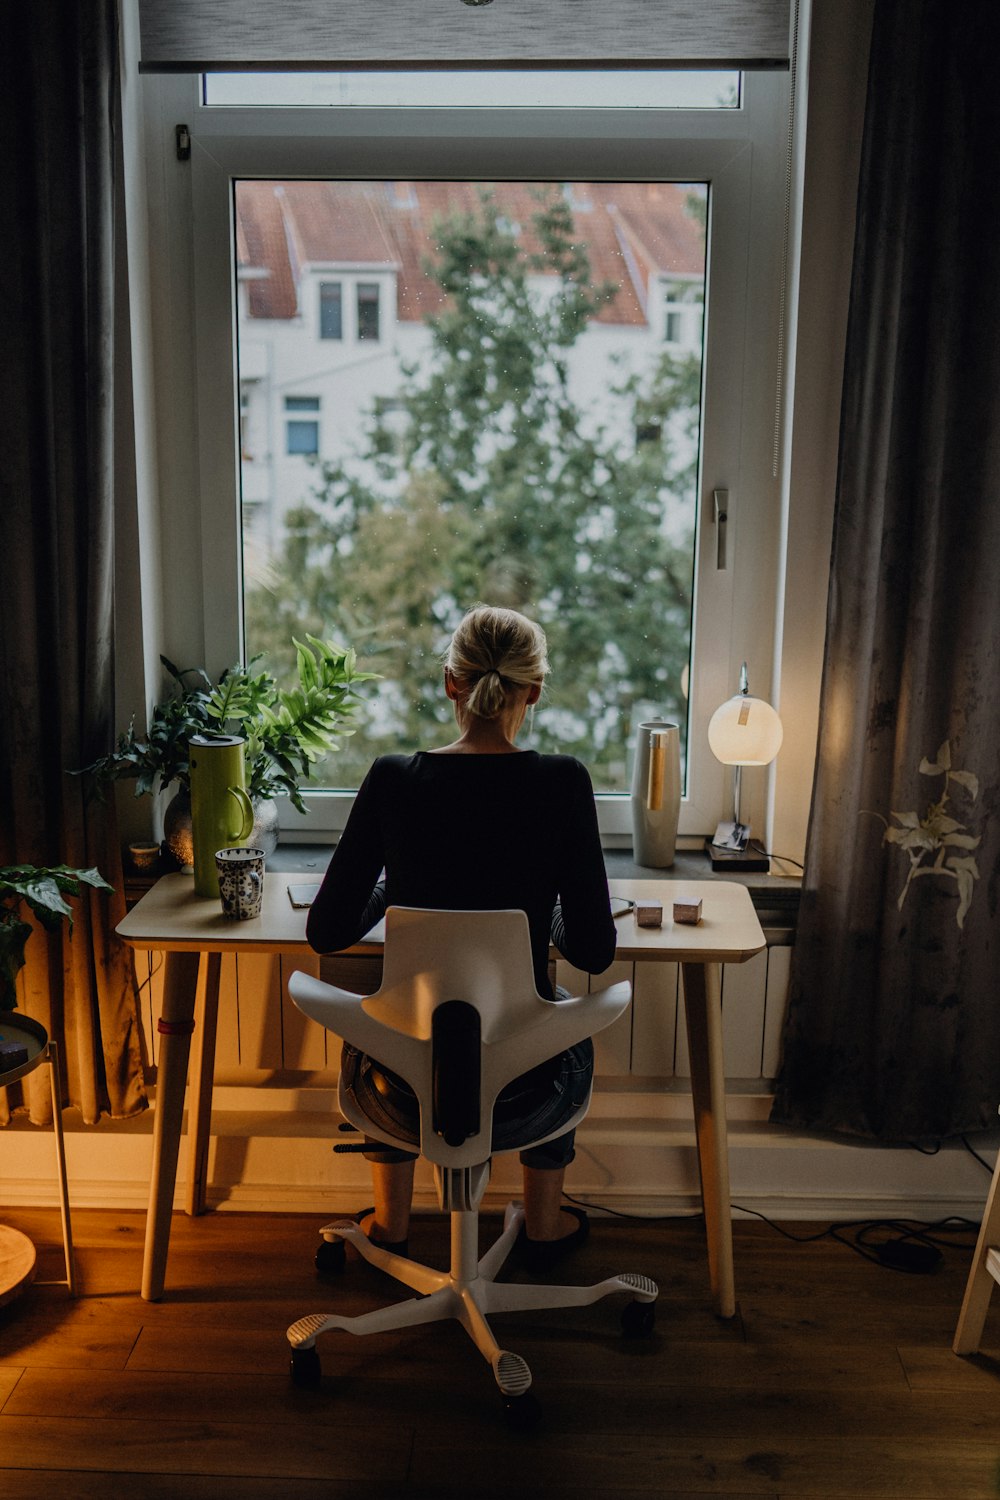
469, 1292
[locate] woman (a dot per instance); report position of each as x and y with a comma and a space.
481, 825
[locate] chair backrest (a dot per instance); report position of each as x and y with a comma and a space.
458, 999
482, 957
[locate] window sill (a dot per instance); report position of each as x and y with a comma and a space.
775, 897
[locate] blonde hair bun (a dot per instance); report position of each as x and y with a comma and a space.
493, 649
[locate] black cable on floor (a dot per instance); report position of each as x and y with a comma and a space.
619, 1213
910, 1246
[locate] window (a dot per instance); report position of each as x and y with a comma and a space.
495, 444
730, 317
331, 310
368, 310
301, 434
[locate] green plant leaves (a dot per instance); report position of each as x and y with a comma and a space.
13, 936
44, 889
285, 732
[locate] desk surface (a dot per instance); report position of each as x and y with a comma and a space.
171, 918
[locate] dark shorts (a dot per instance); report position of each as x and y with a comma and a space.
528, 1107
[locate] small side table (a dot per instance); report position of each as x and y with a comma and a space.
17, 1254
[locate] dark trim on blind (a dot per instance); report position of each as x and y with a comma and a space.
204, 36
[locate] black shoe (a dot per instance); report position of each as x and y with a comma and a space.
542, 1255
394, 1247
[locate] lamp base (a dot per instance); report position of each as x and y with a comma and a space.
731, 849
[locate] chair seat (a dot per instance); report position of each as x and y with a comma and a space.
529, 1108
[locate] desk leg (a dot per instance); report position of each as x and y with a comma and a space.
202, 1077
180, 983
703, 1010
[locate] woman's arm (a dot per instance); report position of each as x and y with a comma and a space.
351, 899
583, 928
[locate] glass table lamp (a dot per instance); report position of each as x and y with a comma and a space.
744, 731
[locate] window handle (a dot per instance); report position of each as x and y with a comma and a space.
721, 500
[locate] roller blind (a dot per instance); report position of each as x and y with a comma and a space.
200, 36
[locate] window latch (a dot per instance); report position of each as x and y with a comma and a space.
721, 502
182, 142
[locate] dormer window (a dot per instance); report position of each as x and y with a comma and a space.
368, 318
331, 310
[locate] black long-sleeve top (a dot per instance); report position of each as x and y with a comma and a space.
474, 833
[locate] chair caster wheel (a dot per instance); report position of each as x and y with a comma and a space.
639, 1320
305, 1368
523, 1412
331, 1257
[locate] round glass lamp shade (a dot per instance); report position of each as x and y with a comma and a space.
745, 731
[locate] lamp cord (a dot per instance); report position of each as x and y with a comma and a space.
786, 859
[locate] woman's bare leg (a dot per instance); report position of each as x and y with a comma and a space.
544, 1218
393, 1187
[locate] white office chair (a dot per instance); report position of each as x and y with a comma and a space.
458, 1017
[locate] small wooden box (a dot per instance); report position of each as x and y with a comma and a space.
649, 913
687, 912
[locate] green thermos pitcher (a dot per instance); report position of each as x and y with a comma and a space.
221, 811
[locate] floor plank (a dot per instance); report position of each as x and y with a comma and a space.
208, 1446
80, 1484
866, 1467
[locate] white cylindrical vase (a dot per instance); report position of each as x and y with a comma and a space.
656, 793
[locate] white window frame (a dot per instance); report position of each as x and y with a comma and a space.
739, 152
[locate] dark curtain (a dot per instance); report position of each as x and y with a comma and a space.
893, 1030
59, 111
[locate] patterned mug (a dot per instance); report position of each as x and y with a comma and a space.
241, 881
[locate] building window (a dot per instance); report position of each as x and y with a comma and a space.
672, 327
368, 310
331, 310
301, 433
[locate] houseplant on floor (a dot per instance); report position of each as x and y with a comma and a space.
286, 733
24, 1042
44, 889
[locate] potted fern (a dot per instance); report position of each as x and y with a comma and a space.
286, 733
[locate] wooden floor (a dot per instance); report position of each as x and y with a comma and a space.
835, 1379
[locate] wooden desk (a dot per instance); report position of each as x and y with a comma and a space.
191, 932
